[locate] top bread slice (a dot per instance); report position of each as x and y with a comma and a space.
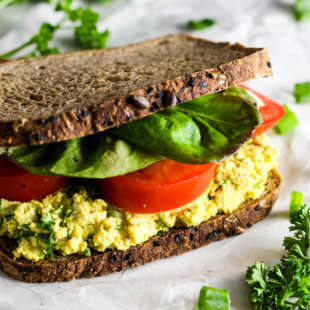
61, 97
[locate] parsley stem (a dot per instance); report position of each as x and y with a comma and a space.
16, 50
51, 242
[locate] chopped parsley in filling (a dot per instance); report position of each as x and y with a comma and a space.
78, 222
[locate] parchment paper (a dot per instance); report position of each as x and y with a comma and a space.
174, 283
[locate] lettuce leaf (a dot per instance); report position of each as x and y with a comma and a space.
200, 131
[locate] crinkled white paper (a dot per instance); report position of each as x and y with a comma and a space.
174, 283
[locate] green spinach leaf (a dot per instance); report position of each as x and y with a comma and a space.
203, 130
97, 156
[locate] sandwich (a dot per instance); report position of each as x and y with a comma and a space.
114, 158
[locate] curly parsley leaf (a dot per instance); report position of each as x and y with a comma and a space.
87, 34
300, 221
83, 22
287, 285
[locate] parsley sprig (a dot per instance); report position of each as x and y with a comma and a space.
287, 285
82, 20
47, 224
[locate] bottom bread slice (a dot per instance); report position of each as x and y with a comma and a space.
172, 243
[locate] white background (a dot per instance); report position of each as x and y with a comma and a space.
174, 283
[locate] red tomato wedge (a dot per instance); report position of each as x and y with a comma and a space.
272, 112
162, 186
17, 184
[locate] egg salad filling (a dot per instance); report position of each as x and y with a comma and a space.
76, 221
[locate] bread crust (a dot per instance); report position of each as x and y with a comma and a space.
172, 243
137, 104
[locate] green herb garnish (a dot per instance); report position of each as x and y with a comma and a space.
302, 10
47, 224
161, 226
6, 217
24, 231
120, 216
201, 24
83, 21
87, 252
287, 123
287, 285
302, 92
213, 298
257, 185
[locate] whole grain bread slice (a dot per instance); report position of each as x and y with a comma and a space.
61, 97
174, 242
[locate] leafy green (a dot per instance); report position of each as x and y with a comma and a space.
98, 156
161, 225
287, 285
302, 10
240, 92
302, 92
201, 24
47, 224
120, 216
5, 217
300, 221
203, 130
86, 33
24, 231
82, 20
287, 123
213, 298
41, 42
257, 185
87, 252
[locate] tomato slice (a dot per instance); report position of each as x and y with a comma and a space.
162, 186
17, 184
272, 112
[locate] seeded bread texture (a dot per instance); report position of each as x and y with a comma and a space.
61, 97
175, 242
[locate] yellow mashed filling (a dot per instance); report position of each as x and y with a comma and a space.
79, 223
